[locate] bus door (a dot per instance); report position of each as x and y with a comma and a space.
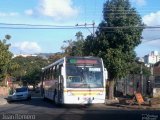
60, 86
60, 89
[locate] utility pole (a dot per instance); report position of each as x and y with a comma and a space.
141, 77
141, 87
91, 24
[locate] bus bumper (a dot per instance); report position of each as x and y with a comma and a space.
84, 100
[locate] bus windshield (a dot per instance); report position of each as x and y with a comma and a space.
81, 76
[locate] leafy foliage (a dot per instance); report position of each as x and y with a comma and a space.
116, 38
29, 69
138, 67
74, 48
5, 56
55, 57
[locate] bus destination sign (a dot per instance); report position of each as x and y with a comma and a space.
82, 61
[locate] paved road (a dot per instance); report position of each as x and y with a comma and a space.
40, 110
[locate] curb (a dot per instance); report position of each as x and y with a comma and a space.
139, 107
132, 107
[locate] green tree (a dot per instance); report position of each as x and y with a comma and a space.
138, 66
68, 47
5, 56
29, 69
74, 48
78, 44
116, 38
55, 57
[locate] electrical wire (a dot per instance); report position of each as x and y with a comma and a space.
144, 41
31, 26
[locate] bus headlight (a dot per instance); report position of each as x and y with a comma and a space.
100, 93
69, 93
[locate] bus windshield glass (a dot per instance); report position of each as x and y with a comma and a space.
84, 76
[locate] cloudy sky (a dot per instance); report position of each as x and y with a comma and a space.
65, 13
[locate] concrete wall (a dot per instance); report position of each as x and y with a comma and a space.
4, 91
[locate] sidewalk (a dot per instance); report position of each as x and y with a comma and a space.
121, 103
135, 107
3, 101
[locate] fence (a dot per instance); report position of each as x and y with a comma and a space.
132, 83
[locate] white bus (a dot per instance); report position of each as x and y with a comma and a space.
75, 80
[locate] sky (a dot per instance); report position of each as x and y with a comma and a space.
29, 13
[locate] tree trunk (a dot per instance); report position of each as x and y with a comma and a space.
111, 89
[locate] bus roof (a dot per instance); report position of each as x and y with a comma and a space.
85, 57
54, 63
66, 57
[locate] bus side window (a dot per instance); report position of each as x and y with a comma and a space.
48, 74
45, 75
52, 73
60, 70
56, 72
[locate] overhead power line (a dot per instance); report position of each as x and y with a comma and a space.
144, 41
86, 26
42, 28
76, 27
32, 26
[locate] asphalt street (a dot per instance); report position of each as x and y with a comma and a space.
46, 110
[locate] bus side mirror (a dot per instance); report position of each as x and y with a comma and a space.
105, 74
